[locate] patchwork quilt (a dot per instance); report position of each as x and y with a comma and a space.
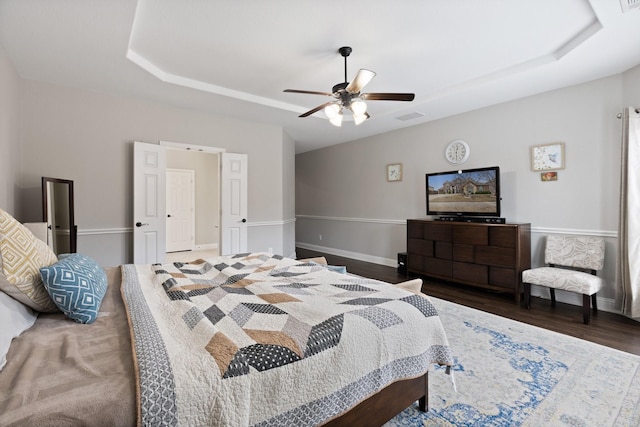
261, 340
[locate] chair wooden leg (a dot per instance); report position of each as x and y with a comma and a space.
553, 296
586, 308
527, 295
594, 303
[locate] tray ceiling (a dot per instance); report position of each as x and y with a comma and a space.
235, 58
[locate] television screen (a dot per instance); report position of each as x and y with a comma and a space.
472, 192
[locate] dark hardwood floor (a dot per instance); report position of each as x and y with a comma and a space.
609, 329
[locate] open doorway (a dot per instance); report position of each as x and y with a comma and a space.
203, 240
149, 200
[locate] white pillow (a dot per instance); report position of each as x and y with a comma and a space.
414, 285
15, 318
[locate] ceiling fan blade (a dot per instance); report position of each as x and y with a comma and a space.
318, 108
360, 80
388, 96
311, 92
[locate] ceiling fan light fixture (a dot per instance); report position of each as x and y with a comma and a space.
359, 118
349, 96
332, 110
359, 107
337, 120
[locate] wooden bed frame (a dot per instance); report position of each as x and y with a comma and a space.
389, 402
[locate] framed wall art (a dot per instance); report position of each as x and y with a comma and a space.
394, 172
547, 157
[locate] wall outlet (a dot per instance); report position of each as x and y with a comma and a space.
271, 251
320, 236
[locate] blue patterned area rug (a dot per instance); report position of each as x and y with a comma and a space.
509, 373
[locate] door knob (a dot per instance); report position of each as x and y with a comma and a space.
139, 224
169, 216
244, 219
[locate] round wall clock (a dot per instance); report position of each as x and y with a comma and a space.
457, 152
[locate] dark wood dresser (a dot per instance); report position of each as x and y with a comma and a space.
490, 256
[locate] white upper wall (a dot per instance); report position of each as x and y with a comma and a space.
631, 85
10, 150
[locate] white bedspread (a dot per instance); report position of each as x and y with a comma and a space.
257, 339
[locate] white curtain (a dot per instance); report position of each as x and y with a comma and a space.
629, 228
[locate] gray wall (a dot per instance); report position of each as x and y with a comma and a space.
88, 137
631, 87
289, 196
10, 149
283, 232
342, 194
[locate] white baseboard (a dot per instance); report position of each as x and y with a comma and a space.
347, 254
604, 304
205, 247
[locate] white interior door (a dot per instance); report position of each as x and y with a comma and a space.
180, 210
233, 217
149, 204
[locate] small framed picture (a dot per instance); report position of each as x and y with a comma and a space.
547, 157
394, 172
549, 176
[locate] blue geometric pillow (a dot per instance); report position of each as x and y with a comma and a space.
76, 285
337, 268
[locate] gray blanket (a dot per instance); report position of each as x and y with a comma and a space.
62, 373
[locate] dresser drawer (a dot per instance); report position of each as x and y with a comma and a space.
503, 277
495, 255
438, 231
463, 253
471, 272
418, 246
471, 235
438, 267
503, 236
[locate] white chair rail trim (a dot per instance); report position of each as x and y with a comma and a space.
537, 230
347, 219
270, 223
125, 230
99, 231
575, 231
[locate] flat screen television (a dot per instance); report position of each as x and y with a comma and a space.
471, 192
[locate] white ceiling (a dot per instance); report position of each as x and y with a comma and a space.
236, 57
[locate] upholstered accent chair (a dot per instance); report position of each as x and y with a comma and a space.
572, 265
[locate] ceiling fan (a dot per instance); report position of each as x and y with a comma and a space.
348, 95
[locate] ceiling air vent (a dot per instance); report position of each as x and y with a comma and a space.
629, 5
412, 116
